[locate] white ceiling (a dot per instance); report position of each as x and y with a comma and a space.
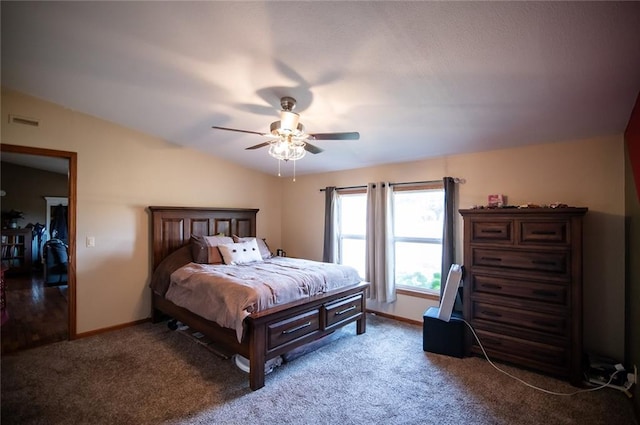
416, 79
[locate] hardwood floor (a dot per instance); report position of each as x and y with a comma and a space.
38, 315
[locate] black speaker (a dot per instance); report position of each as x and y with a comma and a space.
443, 337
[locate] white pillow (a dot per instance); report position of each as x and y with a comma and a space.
262, 245
240, 253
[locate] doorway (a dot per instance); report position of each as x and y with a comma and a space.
70, 293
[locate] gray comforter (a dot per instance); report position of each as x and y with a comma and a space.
227, 294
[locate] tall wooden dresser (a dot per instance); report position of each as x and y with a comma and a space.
523, 287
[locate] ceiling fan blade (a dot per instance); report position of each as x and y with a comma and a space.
335, 136
312, 148
239, 131
261, 145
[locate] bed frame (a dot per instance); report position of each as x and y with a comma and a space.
268, 333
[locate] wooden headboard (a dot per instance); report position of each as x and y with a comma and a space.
172, 227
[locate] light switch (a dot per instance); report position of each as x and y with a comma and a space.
91, 241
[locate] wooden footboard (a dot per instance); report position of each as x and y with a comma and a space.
276, 331
273, 333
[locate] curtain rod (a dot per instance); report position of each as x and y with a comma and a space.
455, 180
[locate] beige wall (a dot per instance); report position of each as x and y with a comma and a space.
586, 173
120, 173
26, 188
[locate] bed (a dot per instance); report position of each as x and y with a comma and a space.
268, 333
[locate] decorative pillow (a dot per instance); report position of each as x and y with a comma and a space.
204, 249
265, 252
240, 253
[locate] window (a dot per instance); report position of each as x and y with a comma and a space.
352, 225
418, 216
418, 220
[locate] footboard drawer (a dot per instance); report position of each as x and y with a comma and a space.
281, 332
342, 310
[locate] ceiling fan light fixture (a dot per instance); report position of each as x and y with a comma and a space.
287, 149
289, 121
290, 139
279, 130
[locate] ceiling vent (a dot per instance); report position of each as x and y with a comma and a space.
16, 119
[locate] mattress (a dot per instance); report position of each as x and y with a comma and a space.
227, 294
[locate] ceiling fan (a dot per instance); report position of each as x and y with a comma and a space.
291, 141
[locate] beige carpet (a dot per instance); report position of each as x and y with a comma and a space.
148, 374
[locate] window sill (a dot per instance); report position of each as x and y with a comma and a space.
418, 294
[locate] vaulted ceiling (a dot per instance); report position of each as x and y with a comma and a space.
416, 79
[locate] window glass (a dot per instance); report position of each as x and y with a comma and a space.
353, 254
352, 225
353, 217
418, 213
418, 265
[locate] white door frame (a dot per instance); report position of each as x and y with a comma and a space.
53, 201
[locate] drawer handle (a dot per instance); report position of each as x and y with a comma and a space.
491, 314
492, 258
544, 262
542, 354
543, 232
545, 324
346, 310
491, 231
543, 293
491, 286
297, 328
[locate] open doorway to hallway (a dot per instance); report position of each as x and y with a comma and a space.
38, 258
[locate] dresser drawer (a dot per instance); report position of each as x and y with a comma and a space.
509, 348
522, 319
547, 262
546, 232
495, 231
281, 332
341, 310
520, 288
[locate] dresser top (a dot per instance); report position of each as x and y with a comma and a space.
524, 211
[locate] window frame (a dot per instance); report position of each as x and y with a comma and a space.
396, 187
340, 236
407, 289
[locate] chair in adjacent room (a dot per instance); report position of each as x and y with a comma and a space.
56, 261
